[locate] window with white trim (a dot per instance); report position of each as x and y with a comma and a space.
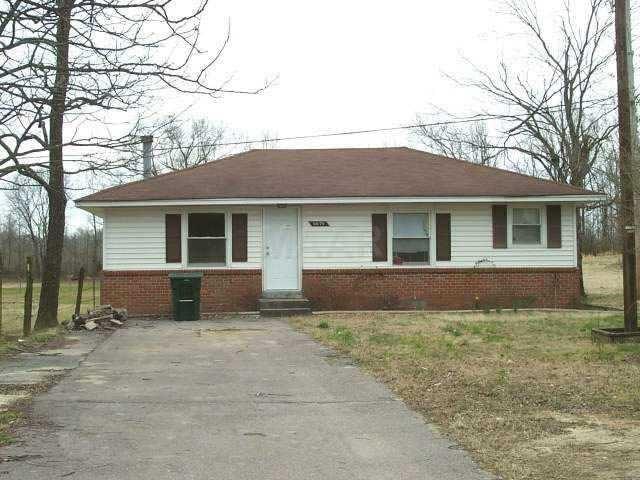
206, 238
410, 238
526, 226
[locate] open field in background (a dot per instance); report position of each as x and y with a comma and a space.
13, 302
527, 393
603, 279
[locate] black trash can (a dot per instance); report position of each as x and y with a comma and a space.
185, 295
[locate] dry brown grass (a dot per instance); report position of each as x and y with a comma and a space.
526, 393
13, 303
603, 279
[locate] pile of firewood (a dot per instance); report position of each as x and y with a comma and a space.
103, 317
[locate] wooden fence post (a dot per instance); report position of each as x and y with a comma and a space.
79, 295
28, 300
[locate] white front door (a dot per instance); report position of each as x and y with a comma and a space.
281, 269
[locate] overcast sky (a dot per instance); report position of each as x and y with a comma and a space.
344, 65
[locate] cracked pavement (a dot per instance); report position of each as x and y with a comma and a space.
234, 398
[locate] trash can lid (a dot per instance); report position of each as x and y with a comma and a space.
185, 275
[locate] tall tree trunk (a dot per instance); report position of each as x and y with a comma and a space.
37, 259
48, 307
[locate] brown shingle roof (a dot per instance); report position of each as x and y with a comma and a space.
328, 173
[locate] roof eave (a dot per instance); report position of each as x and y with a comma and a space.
87, 204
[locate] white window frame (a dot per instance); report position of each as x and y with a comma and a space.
428, 238
543, 227
226, 238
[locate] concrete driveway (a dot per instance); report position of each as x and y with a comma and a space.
234, 399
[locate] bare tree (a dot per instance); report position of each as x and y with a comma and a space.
29, 203
179, 147
471, 143
556, 122
68, 62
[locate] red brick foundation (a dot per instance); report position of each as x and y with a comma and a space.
148, 292
441, 289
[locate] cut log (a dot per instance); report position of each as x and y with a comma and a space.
91, 325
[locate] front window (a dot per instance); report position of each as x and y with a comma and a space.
526, 226
206, 239
410, 238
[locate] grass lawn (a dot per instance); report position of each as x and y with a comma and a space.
603, 279
527, 393
7, 419
13, 303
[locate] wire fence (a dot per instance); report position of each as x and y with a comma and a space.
12, 301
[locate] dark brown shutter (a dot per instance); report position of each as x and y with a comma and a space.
499, 213
173, 237
239, 237
554, 226
379, 236
443, 237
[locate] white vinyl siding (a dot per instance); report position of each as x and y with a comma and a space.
472, 241
346, 242
134, 238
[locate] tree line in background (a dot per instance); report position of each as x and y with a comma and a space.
82, 248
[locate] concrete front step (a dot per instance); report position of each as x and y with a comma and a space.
283, 303
280, 306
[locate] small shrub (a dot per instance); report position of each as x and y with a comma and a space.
343, 335
323, 324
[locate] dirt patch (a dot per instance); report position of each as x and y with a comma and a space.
607, 448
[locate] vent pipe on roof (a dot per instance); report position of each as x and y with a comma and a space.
147, 155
